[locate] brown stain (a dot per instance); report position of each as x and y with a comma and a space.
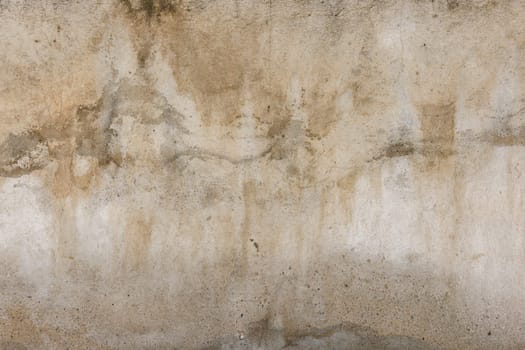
76, 133
61, 181
249, 191
479, 96
213, 68
279, 126
323, 201
143, 54
86, 134
137, 241
511, 187
376, 181
451, 169
399, 149
346, 186
212, 195
222, 61
228, 244
212, 64
217, 73
438, 129
395, 150
150, 8
368, 82
299, 241
21, 328
322, 110
348, 181
442, 175
84, 182
8, 345
52, 147
93, 133
362, 96
505, 136
452, 4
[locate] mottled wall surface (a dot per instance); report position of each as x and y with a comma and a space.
268, 174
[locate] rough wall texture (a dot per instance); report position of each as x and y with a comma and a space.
262, 174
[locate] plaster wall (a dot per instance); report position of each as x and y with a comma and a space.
262, 174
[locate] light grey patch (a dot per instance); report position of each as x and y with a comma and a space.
23, 153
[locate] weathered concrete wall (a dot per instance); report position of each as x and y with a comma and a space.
262, 174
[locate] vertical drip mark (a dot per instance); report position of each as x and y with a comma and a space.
321, 225
511, 190
454, 240
401, 42
248, 196
66, 236
236, 9
270, 29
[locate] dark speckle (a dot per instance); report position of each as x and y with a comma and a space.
399, 149
452, 4
150, 8
147, 5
